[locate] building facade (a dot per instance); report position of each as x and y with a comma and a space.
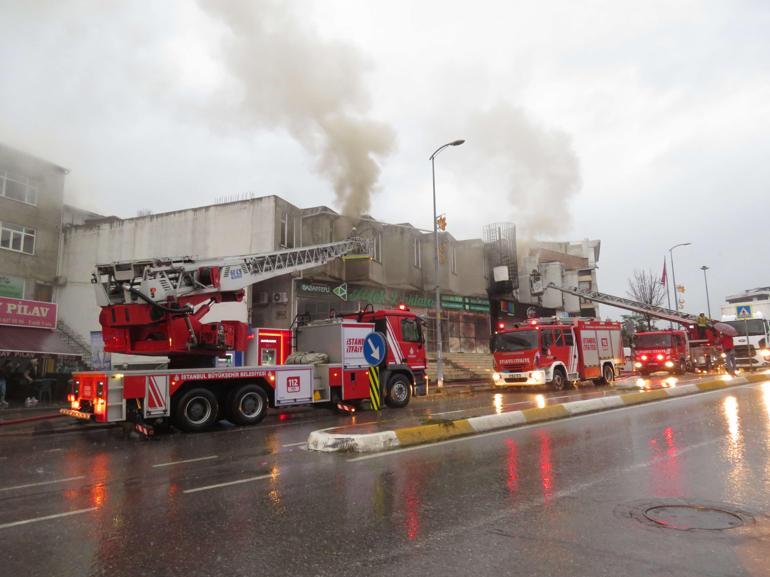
32, 343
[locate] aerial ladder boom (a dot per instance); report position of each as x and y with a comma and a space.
628, 304
162, 280
155, 306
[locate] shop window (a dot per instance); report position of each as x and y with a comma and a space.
17, 238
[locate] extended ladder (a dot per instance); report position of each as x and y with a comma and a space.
628, 304
160, 279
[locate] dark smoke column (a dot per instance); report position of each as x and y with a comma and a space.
439, 359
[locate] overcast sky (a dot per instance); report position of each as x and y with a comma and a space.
643, 124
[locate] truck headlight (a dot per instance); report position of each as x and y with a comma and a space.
765, 354
669, 364
638, 365
538, 376
495, 377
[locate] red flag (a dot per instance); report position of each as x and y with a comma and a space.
663, 277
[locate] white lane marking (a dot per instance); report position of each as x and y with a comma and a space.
228, 483
195, 460
53, 450
41, 483
47, 517
295, 444
512, 430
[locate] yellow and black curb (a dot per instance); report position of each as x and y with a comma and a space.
328, 441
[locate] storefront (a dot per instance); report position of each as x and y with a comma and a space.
34, 357
465, 319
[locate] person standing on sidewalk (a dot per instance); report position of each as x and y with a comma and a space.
3, 386
729, 350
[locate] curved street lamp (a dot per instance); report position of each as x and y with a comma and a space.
673, 274
439, 356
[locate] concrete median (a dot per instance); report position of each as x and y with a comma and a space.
329, 441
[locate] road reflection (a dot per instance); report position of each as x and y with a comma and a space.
546, 466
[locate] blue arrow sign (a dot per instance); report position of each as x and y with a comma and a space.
374, 349
744, 311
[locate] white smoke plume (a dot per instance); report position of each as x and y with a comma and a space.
294, 79
534, 166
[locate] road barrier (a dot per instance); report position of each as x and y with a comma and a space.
328, 441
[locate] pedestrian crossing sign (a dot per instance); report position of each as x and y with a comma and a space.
743, 311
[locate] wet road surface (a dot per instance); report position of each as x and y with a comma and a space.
556, 499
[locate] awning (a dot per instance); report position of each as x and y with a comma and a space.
27, 340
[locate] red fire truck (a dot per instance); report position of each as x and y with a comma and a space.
149, 307
557, 351
667, 350
677, 351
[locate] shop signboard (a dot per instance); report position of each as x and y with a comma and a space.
26, 313
390, 297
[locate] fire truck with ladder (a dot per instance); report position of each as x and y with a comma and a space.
156, 307
545, 359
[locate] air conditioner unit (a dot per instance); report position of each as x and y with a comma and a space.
280, 297
261, 298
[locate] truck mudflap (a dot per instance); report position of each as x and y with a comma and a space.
77, 414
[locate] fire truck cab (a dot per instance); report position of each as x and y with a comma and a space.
557, 351
667, 350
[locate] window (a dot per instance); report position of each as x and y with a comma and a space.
410, 332
377, 247
454, 260
417, 253
43, 292
17, 238
568, 341
284, 240
18, 187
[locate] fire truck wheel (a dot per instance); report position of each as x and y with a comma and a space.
682, 368
559, 380
399, 392
608, 375
247, 405
196, 410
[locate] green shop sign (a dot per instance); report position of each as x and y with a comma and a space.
11, 287
391, 297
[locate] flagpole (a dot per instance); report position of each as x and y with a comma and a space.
668, 294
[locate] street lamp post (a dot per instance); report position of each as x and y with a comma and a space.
704, 268
439, 359
673, 274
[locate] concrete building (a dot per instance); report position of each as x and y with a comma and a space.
32, 344
31, 203
400, 269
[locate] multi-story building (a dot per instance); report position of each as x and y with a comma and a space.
400, 269
31, 209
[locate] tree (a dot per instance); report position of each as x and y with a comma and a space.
646, 288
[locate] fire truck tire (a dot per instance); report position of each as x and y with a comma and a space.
559, 381
196, 410
247, 405
608, 375
682, 368
399, 391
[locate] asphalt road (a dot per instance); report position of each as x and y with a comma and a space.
563, 498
